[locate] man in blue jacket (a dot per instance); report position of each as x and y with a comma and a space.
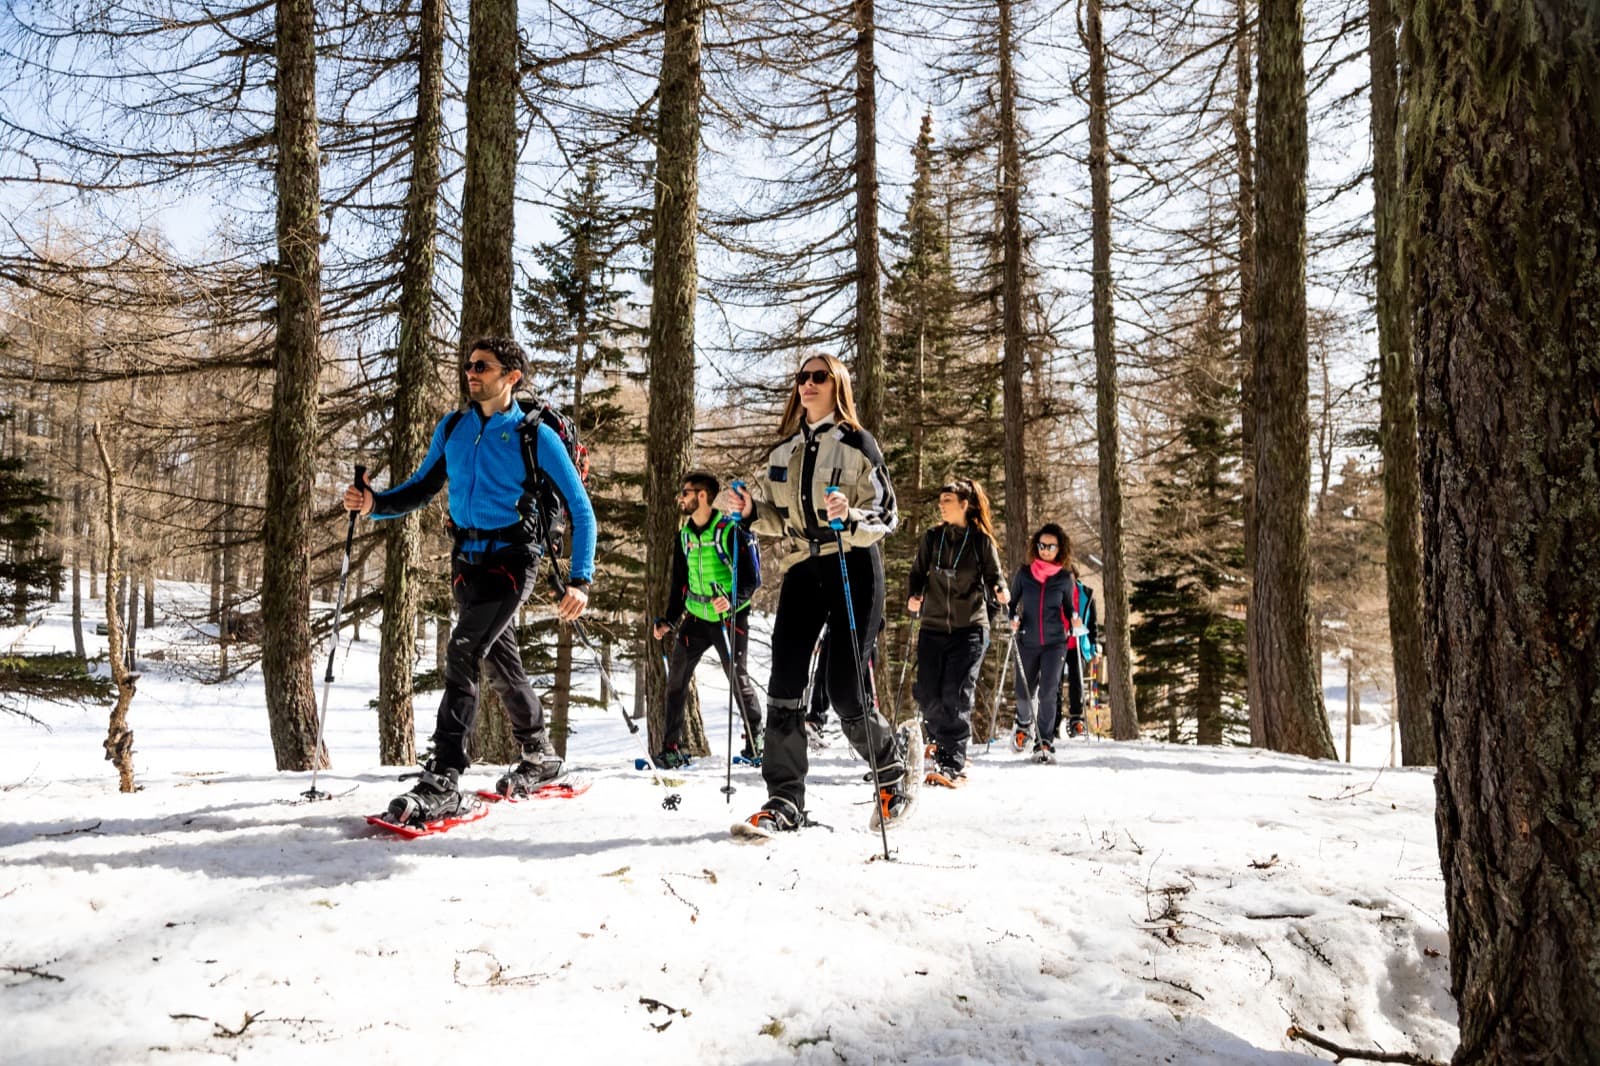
498, 544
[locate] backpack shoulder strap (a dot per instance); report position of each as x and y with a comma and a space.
528, 430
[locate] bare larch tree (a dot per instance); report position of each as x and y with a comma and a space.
1286, 714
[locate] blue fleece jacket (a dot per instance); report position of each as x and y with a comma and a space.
482, 461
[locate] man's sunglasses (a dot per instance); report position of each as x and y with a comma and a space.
816, 377
479, 366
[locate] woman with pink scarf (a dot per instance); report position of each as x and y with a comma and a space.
1040, 598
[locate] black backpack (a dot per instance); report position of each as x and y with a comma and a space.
548, 521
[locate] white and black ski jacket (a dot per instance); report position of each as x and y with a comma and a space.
792, 505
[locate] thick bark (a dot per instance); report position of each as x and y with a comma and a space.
1397, 429
487, 227
292, 425
1014, 343
868, 368
409, 428
1290, 715
491, 170
1114, 602
1503, 184
1245, 209
672, 308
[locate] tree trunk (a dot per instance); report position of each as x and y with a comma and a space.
672, 308
561, 698
130, 597
150, 596
119, 735
1208, 692
409, 426
869, 285
1397, 429
80, 529
487, 223
1244, 161
292, 425
1503, 181
1014, 342
1290, 715
486, 241
1114, 599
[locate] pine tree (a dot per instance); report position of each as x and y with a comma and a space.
26, 575
920, 441
1190, 638
575, 316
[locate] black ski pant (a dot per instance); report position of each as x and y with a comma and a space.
947, 681
1071, 685
812, 596
696, 635
488, 591
1038, 682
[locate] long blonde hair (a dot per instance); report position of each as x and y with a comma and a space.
844, 398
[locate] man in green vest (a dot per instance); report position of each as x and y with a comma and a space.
710, 546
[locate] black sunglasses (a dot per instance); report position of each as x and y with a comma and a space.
479, 366
816, 377
1047, 545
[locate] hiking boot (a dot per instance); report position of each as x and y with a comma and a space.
1076, 727
776, 816
539, 766
1019, 740
670, 758
814, 738
435, 796
894, 803
751, 752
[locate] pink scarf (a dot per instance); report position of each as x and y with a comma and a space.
1043, 571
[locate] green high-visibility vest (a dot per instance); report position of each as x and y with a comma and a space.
709, 553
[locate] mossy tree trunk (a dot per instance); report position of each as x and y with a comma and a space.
1502, 185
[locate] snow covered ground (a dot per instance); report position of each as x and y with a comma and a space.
1136, 903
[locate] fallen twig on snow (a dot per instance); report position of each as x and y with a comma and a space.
30, 971
1410, 1059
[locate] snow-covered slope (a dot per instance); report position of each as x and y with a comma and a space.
1135, 903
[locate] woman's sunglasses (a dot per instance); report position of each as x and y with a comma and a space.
816, 377
1046, 545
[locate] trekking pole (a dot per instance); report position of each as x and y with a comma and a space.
333, 643
905, 661
731, 636
999, 687
726, 654
560, 585
1032, 691
867, 710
